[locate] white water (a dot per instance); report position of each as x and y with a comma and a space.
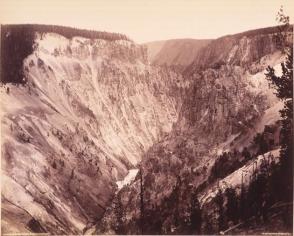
128, 179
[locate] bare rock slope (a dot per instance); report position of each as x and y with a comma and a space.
89, 110
227, 103
175, 52
93, 108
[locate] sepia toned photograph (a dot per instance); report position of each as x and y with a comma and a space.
146, 117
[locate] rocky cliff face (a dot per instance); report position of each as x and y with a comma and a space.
175, 52
242, 49
89, 110
92, 109
228, 102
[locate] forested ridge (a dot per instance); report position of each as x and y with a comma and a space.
17, 43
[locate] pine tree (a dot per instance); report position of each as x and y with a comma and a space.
195, 217
142, 201
219, 200
243, 210
120, 215
232, 205
284, 90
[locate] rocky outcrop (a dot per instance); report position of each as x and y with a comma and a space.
89, 109
240, 49
92, 109
223, 109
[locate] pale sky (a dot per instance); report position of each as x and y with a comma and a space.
150, 20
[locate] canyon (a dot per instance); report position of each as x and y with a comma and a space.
93, 111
